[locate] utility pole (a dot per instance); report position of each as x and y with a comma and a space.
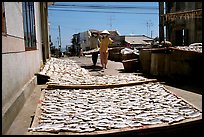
59, 38
149, 24
111, 22
161, 22
147, 28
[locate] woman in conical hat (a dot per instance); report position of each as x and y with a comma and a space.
105, 32
104, 43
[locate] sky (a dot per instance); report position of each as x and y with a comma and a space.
128, 18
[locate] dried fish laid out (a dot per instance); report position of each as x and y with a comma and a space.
67, 72
81, 110
191, 48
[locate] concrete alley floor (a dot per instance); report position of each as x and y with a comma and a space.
23, 121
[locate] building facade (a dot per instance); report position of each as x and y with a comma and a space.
25, 48
183, 21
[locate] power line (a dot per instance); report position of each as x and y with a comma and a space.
104, 7
94, 11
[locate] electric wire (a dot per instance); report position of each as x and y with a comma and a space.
105, 7
104, 11
97, 8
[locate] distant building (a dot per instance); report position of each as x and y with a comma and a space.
134, 40
84, 38
137, 40
183, 21
74, 49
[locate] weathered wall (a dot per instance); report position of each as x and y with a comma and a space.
185, 65
145, 60
193, 26
84, 40
173, 64
18, 65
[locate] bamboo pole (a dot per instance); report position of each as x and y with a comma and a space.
100, 86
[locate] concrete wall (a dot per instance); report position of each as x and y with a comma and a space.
18, 65
185, 65
159, 64
173, 64
145, 60
84, 40
14, 19
192, 25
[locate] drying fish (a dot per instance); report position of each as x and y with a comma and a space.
151, 122
193, 115
47, 127
67, 72
103, 109
190, 48
120, 125
167, 119
135, 125
177, 119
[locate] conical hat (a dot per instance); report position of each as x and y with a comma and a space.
105, 32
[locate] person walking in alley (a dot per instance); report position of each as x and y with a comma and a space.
104, 43
94, 44
80, 52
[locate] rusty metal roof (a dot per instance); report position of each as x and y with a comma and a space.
138, 39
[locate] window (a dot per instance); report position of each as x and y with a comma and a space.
3, 19
29, 25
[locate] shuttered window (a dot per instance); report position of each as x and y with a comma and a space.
29, 25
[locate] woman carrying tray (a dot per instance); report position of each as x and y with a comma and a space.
94, 44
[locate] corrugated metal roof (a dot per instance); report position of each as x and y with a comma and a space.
140, 39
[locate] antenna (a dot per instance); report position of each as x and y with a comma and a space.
111, 18
149, 24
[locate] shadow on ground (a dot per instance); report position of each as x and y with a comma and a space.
93, 68
127, 71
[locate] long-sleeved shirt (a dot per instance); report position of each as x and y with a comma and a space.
104, 44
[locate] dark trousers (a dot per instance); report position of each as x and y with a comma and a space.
94, 58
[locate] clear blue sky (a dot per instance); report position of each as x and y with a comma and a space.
140, 18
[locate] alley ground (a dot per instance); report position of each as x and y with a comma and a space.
23, 121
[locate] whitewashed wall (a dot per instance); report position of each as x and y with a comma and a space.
18, 65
